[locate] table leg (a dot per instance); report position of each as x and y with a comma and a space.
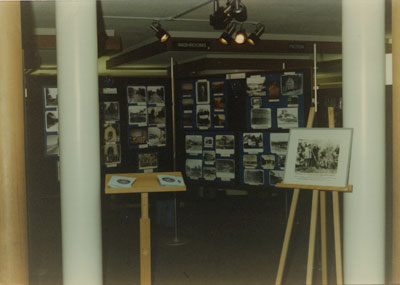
145, 242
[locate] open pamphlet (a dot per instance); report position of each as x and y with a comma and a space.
170, 180
121, 182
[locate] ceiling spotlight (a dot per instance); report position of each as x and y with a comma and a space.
237, 10
226, 37
161, 34
254, 37
220, 19
240, 36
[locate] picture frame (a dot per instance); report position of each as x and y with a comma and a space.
202, 91
318, 156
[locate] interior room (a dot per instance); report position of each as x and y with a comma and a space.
207, 91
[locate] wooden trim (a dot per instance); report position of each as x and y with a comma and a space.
348, 188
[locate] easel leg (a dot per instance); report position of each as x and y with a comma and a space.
323, 238
338, 245
311, 243
288, 233
145, 244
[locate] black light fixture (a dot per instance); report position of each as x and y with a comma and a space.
240, 36
220, 19
237, 10
254, 37
226, 37
161, 34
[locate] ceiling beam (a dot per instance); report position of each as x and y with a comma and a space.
212, 45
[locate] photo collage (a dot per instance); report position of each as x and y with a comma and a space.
203, 104
50, 119
263, 156
210, 157
275, 101
111, 132
146, 116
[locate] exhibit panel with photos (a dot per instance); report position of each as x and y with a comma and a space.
210, 156
260, 109
203, 104
50, 120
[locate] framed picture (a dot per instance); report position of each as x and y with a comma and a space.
51, 121
156, 95
202, 92
292, 84
147, 160
137, 95
51, 97
110, 111
318, 156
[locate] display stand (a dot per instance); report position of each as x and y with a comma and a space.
145, 183
313, 223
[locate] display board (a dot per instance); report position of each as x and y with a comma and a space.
257, 111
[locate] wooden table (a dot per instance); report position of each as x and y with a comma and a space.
145, 183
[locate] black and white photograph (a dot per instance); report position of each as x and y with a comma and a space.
210, 173
273, 91
279, 142
147, 160
194, 144
260, 118
225, 145
253, 142
202, 92
111, 132
157, 136
293, 101
51, 121
110, 111
250, 161
218, 88
138, 136
256, 102
155, 95
267, 161
138, 115
287, 118
188, 121
219, 104
112, 153
219, 120
292, 84
52, 146
256, 85
225, 169
254, 176
203, 114
156, 115
281, 158
187, 90
318, 156
208, 142
194, 168
209, 157
187, 105
275, 177
137, 95
50, 97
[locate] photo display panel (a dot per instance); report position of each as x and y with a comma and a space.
146, 116
262, 157
210, 156
203, 104
50, 120
275, 101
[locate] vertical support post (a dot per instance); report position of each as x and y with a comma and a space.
145, 242
363, 33
76, 27
311, 242
13, 224
324, 265
396, 143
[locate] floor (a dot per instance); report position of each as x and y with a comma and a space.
227, 240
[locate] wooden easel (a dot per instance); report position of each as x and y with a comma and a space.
313, 223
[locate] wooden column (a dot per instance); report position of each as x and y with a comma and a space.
13, 228
396, 142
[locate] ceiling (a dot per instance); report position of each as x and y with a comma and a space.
130, 20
